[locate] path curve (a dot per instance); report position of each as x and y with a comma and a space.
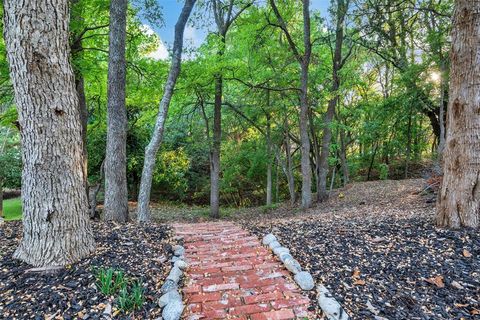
232, 276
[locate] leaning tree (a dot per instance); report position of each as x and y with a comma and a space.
459, 199
56, 229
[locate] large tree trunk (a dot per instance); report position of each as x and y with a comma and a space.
459, 199
157, 135
116, 193
56, 227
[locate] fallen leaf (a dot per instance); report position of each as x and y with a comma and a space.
356, 273
475, 312
466, 253
438, 281
359, 282
460, 305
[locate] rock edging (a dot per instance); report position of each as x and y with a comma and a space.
171, 300
330, 307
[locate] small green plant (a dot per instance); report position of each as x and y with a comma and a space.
110, 280
384, 171
131, 300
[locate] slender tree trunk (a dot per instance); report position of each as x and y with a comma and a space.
304, 62
56, 227
289, 172
342, 9
305, 142
277, 181
269, 159
343, 158
116, 193
94, 195
157, 135
409, 142
322, 193
459, 198
442, 106
215, 153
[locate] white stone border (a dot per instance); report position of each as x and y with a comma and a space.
330, 307
171, 300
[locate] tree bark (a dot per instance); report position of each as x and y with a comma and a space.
56, 227
269, 159
343, 158
338, 62
304, 62
157, 135
216, 145
459, 198
116, 193
289, 167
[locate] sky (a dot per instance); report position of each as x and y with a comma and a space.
194, 36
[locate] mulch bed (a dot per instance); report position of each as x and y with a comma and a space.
71, 293
375, 247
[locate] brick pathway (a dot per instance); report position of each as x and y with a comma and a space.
232, 276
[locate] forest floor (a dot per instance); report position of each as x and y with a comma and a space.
72, 293
375, 247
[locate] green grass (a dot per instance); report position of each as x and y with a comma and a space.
12, 209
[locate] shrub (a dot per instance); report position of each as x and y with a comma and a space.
383, 171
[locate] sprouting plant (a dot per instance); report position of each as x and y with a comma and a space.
131, 300
110, 280
137, 295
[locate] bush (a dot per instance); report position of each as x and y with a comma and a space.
383, 175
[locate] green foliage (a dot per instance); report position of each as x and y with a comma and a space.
12, 209
112, 281
132, 299
383, 171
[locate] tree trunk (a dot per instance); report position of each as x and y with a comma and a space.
289, 171
151, 150
459, 199
342, 9
322, 193
93, 196
215, 152
116, 193
409, 142
56, 227
343, 158
305, 142
269, 159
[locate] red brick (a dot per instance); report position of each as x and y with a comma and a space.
274, 315
202, 297
238, 268
250, 309
222, 304
192, 288
264, 297
286, 303
221, 287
